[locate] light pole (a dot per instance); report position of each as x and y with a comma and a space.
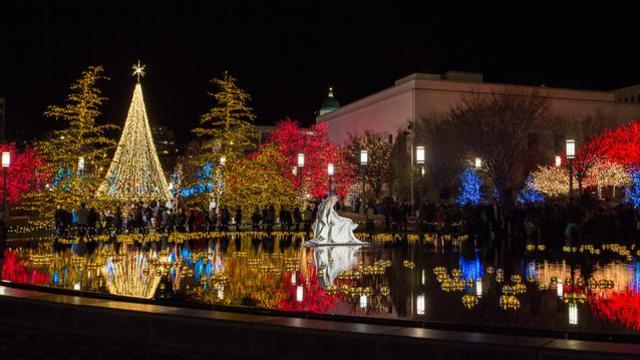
571, 154
420, 157
6, 162
216, 184
477, 163
558, 161
300, 164
330, 171
364, 160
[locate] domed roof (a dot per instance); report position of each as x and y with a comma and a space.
329, 104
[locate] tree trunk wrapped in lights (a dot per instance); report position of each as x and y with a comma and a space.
135, 173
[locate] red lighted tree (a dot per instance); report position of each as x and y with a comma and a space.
23, 173
318, 152
589, 154
620, 145
624, 144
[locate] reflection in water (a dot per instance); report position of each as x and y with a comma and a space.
331, 261
591, 291
135, 274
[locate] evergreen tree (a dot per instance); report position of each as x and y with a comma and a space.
226, 129
76, 153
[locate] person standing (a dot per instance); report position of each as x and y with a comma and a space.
238, 218
82, 220
297, 217
224, 219
255, 219
369, 217
58, 218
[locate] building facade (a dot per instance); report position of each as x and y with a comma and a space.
165, 143
421, 95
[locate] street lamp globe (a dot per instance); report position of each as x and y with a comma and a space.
420, 155
364, 157
81, 163
571, 149
223, 160
6, 159
478, 163
558, 161
300, 159
330, 169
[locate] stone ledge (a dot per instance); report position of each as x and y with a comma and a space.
242, 335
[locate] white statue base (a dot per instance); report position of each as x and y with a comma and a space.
332, 229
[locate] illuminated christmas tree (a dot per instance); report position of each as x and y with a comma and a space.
470, 188
74, 157
135, 173
226, 128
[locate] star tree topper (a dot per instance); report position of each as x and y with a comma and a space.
138, 70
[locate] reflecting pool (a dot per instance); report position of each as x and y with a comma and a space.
582, 291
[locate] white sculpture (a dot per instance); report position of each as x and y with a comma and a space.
332, 229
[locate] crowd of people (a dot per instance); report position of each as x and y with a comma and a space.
167, 218
552, 223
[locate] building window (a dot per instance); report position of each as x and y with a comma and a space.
532, 141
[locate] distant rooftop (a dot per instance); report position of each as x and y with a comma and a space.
449, 75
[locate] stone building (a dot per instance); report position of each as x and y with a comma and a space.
420, 95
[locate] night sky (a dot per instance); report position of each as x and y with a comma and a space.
287, 54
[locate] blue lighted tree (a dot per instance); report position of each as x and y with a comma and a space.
470, 188
529, 195
633, 191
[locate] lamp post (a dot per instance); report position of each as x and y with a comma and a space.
330, 171
294, 171
223, 160
364, 160
477, 163
558, 161
571, 154
420, 158
6, 162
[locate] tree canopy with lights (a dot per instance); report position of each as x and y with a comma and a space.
258, 180
24, 173
76, 153
318, 152
226, 129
